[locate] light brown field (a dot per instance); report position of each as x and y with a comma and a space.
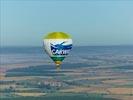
128, 91
95, 78
86, 89
116, 81
122, 91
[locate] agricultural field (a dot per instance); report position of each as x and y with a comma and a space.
102, 75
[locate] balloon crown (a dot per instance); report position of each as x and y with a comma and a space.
57, 35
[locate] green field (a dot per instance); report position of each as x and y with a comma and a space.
66, 96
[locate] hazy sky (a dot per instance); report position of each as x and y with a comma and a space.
91, 22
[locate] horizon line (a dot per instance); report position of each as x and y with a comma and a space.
73, 45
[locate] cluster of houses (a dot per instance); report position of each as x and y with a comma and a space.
52, 83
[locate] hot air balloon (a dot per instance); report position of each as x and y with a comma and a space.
57, 45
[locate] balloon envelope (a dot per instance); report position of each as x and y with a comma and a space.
57, 45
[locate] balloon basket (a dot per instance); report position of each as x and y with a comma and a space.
58, 67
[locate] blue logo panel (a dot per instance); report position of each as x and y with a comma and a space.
60, 49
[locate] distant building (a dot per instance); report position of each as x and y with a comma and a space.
53, 83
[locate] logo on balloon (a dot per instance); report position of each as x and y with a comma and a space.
60, 49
